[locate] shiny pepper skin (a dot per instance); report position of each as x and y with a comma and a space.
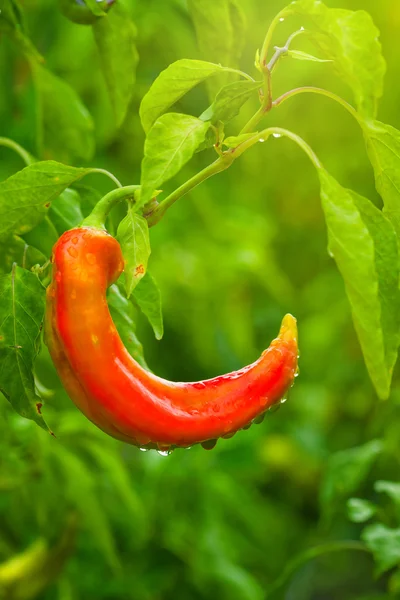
114, 391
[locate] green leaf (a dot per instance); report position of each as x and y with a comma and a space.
173, 83
65, 211
235, 140
364, 245
133, 235
66, 126
170, 143
383, 146
384, 544
359, 510
12, 23
299, 55
95, 7
390, 488
344, 473
220, 32
350, 39
147, 296
43, 237
21, 315
230, 100
122, 312
15, 250
115, 37
26, 196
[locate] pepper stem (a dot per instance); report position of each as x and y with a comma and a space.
97, 217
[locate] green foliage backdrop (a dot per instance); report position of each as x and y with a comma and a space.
303, 506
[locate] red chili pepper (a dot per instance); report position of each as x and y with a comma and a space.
114, 391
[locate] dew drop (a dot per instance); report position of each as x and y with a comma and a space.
163, 452
95, 339
72, 252
91, 258
261, 140
283, 400
246, 426
282, 19
144, 449
74, 240
259, 419
302, 29
58, 276
276, 135
274, 408
209, 444
227, 436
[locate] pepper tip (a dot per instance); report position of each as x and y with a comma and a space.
288, 330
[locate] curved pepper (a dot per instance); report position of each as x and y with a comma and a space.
114, 391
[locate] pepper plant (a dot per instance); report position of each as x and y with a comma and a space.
49, 196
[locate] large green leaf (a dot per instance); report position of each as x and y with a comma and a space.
220, 28
170, 143
350, 39
15, 250
42, 237
384, 544
21, 316
363, 243
383, 145
67, 130
122, 312
147, 296
230, 100
133, 235
345, 471
26, 196
173, 83
115, 38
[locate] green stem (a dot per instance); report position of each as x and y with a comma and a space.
26, 157
311, 554
108, 174
278, 132
321, 92
222, 163
99, 214
268, 38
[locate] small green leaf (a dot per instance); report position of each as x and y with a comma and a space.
344, 473
95, 7
230, 100
350, 39
173, 83
115, 37
133, 235
147, 296
170, 143
359, 510
65, 211
67, 129
304, 56
391, 488
383, 146
26, 196
235, 140
384, 544
364, 245
122, 312
21, 315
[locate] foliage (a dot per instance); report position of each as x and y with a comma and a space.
263, 514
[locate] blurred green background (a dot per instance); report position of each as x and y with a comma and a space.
230, 259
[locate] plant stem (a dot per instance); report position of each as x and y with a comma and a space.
222, 163
278, 132
268, 38
310, 554
108, 174
98, 215
26, 157
321, 92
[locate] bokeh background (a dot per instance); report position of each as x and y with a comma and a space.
230, 259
